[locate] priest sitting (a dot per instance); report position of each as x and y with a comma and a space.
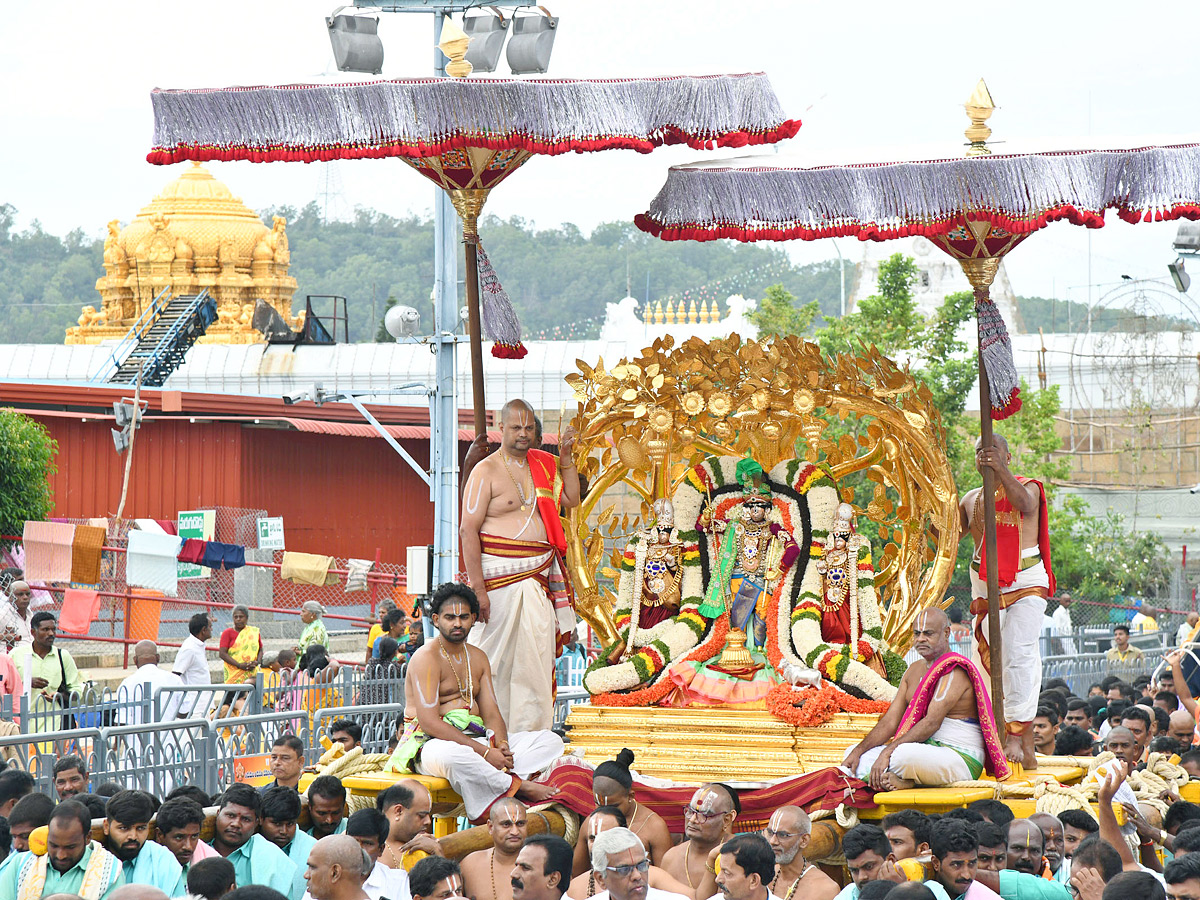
453, 728
939, 728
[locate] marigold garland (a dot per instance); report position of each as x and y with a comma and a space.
810, 707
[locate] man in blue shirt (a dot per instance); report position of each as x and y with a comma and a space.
126, 829
255, 859
326, 806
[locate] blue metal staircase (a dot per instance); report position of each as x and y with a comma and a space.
160, 339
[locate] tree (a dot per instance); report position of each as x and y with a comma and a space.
888, 320
26, 464
778, 316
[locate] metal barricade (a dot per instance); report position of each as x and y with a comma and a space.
201, 701
379, 723
249, 735
160, 756
1082, 670
566, 698
37, 754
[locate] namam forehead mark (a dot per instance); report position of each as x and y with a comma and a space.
922, 622
706, 800
508, 806
596, 824
454, 882
776, 823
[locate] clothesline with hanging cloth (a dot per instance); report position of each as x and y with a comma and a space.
976, 209
467, 135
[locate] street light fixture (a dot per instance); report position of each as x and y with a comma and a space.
1181, 278
487, 34
531, 43
357, 46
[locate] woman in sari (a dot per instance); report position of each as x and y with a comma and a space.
241, 651
314, 673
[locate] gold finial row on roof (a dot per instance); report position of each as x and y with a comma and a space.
681, 312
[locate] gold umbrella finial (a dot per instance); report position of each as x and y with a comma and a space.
979, 107
453, 42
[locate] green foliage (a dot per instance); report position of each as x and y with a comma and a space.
889, 320
778, 316
26, 464
44, 280
1100, 559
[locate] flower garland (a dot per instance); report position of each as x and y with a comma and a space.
813, 706
649, 651
653, 694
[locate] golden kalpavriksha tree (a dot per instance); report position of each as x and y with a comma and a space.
715, 427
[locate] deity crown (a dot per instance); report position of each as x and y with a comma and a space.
751, 477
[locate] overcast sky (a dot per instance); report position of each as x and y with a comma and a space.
76, 76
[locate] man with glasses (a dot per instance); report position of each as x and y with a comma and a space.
622, 869
707, 823
788, 832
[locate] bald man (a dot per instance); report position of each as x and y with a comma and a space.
133, 892
145, 684
1182, 728
1026, 580
337, 868
939, 727
512, 548
788, 832
484, 872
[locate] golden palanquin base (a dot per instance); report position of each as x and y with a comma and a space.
711, 744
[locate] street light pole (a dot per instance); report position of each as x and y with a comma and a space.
842, 266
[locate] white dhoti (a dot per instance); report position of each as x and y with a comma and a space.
939, 761
521, 635
478, 782
1020, 628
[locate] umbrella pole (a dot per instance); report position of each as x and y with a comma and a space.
469, 203
981, 272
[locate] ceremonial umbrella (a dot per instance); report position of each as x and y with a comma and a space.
976, 209
466, 135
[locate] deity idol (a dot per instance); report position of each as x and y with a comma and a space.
752, 553
653, 585
840, 632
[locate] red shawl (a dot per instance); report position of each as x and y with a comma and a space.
547, 487
996, 762
1008, 540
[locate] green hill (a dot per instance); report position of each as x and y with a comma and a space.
559, 278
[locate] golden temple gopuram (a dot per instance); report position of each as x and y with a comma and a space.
194, 235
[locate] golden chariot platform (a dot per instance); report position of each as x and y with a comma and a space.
707, 743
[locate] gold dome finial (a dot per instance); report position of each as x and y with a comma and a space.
453, 42
979, 107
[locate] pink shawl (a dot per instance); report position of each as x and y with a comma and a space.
996, 763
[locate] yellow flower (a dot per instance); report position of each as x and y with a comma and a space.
693, 403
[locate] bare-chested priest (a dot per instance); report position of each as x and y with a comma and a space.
513, 548
1026, 580
707, 824
486, 872
452, 726
939, 728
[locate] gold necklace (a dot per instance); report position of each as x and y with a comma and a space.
398, 863
468, 696
525, 502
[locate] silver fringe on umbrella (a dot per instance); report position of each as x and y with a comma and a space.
763, 199
423, 117
495, 308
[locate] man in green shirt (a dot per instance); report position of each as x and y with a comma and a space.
73, 864
52, 673
255, 859
954, 850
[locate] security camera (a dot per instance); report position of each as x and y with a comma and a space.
1194, 490
295, 397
